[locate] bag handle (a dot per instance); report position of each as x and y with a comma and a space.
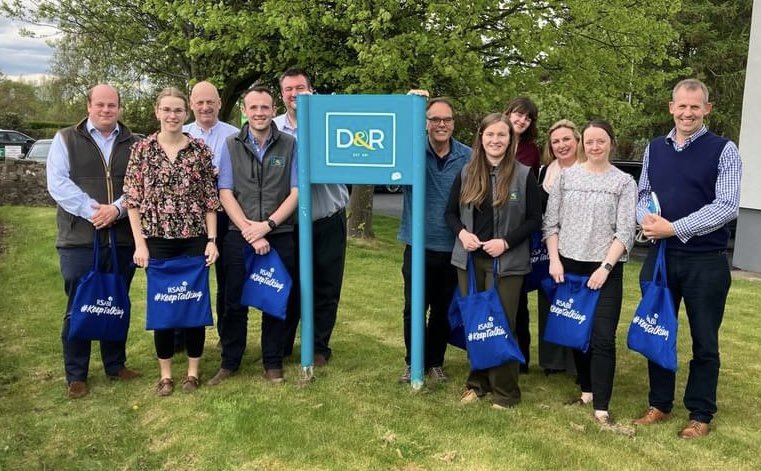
471, 269
96, 251
659, 270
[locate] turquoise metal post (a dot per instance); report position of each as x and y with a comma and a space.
305, 236
418, 243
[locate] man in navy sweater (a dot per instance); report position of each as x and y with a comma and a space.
444, 159
695, 175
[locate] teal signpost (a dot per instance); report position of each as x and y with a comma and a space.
361, 139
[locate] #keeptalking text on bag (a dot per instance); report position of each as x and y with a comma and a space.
654, 327
572, 311
100, 309
178, 293
489, 340
268, 283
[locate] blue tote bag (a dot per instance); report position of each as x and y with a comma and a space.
456, 327
267, 284
654, 326
178, 293
100, 309
489, 340
540, 263
572, 312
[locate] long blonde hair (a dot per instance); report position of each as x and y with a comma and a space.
476, 185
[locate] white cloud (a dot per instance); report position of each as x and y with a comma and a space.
20, 55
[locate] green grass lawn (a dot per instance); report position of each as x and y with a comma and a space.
355, 416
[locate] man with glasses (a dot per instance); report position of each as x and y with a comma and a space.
444, 159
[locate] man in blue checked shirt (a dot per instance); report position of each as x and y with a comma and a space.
696, 177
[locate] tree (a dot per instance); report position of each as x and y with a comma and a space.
604, 59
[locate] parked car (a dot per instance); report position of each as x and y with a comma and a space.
634, 168
39, 151
14, 143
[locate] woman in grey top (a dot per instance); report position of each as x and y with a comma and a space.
589, 228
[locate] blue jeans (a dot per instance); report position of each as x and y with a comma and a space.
702, 280
75, 263
235, 319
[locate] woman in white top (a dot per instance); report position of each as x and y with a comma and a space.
589, 228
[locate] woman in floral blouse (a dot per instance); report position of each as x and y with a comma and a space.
171, 198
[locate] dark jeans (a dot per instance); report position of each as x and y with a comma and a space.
235, 322
75, 263
440, 283
328, 258
702, 280
501, 381
164, 340
597, 366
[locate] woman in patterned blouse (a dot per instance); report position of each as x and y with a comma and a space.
589, 228
171, 198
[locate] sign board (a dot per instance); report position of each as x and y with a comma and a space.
361, 139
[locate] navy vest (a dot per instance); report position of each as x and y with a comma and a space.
685, 182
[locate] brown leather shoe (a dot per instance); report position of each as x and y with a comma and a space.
274, 376
190, 384
320, 360
77, 389
652, 416
165, 387
126, 374
221, 375
694, 429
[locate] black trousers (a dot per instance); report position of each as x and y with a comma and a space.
235, 321
440, 283
702, 280
328, 259
597, 366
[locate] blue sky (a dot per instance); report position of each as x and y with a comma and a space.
21, 55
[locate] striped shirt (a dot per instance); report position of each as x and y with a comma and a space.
710, 217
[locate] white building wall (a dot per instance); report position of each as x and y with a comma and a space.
747, 250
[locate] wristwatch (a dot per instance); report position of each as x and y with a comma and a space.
271, 223
212, 240
607, 266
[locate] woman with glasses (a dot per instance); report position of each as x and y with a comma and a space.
589, 229
493, 208
523, 113
171, 198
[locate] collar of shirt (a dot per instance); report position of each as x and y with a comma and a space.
105, 144
671, 138
258, 148
283, 123
204, 132
441, 160
93, 132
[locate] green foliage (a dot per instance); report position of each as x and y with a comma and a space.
11, 120
354, 416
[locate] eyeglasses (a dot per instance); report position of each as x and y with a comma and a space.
436, 121
174, 111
